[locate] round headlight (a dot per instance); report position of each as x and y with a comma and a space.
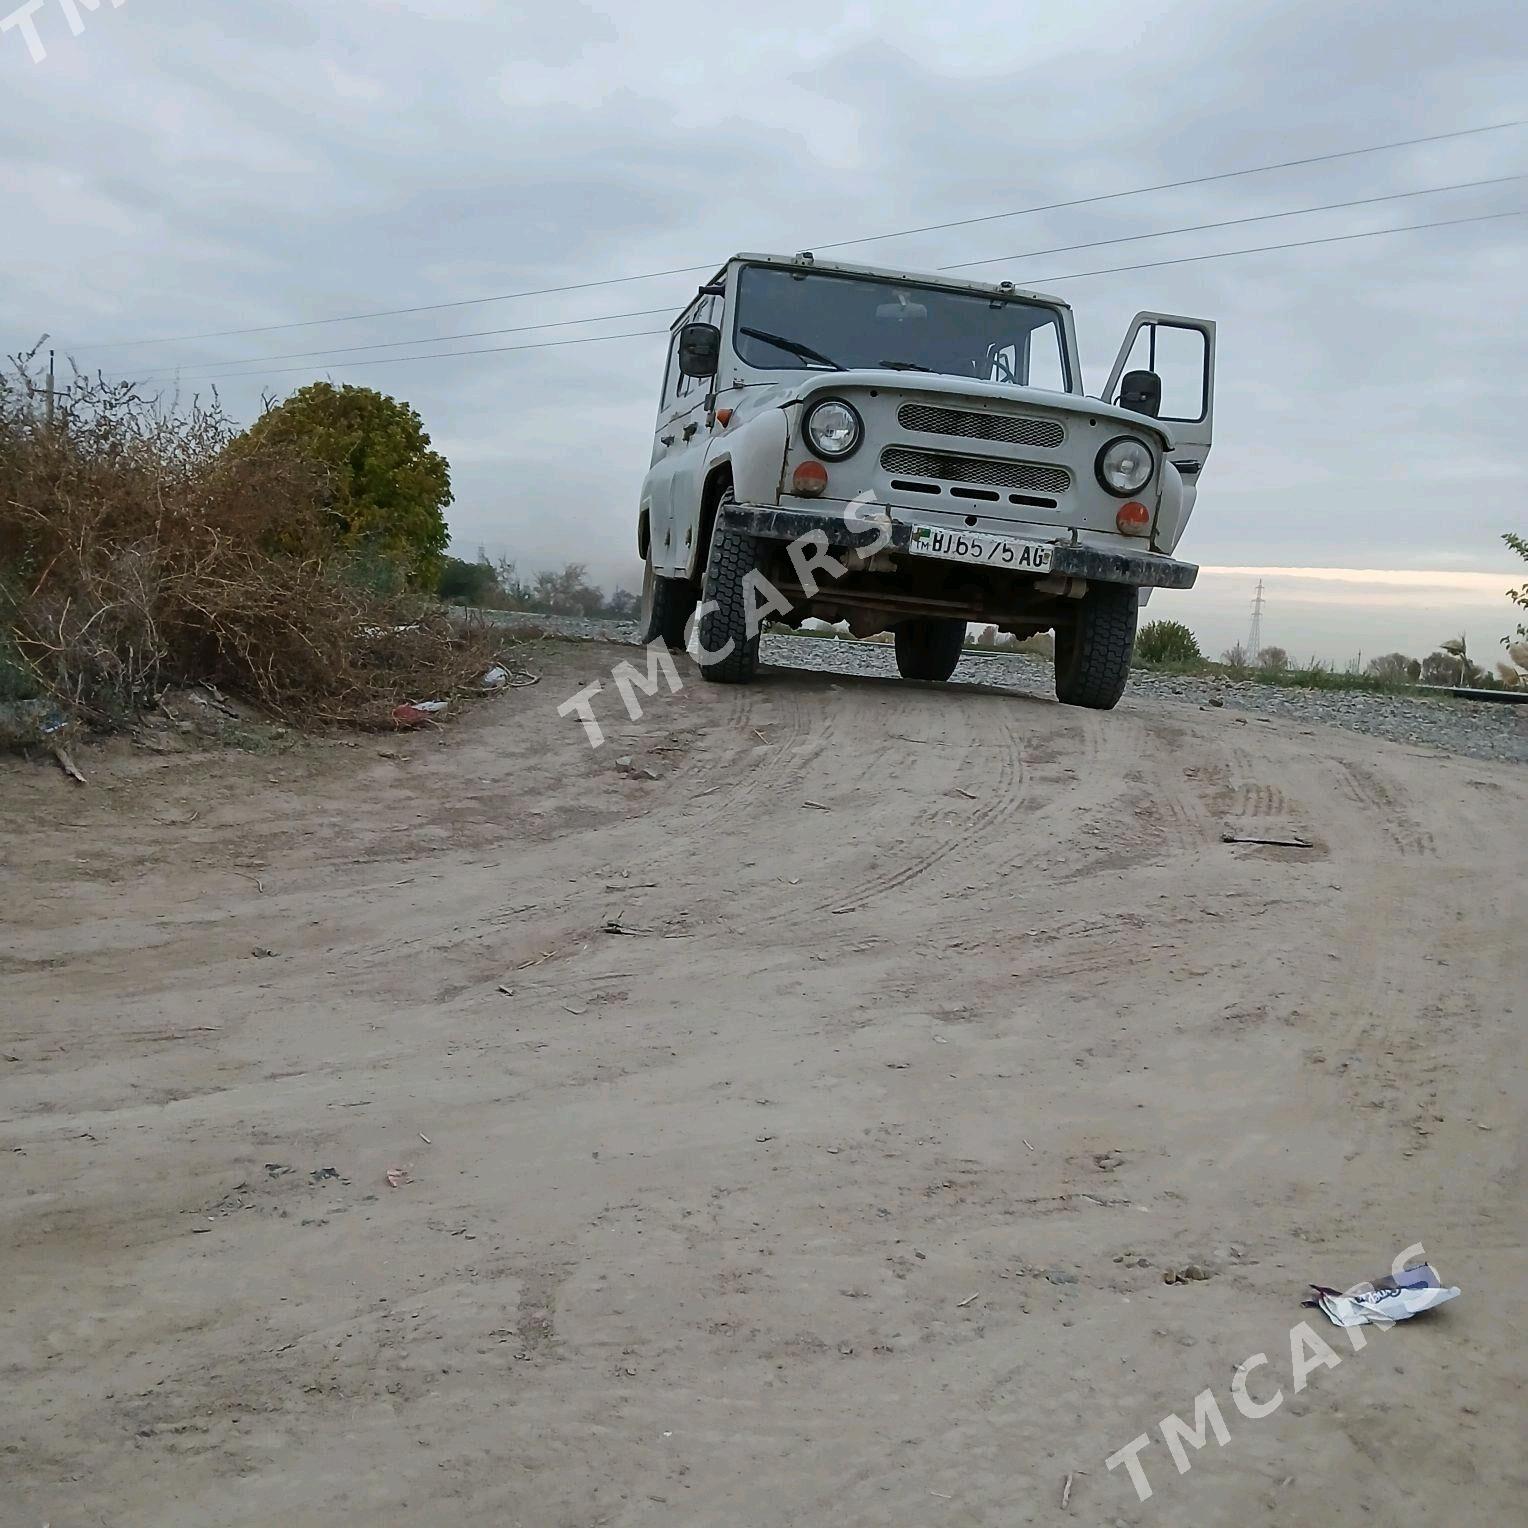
833, 429
1124, 466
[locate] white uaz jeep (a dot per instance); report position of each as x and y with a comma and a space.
930, 440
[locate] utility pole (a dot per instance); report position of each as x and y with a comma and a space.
1255, 636
50, 389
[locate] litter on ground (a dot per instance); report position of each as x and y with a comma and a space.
1388, 1301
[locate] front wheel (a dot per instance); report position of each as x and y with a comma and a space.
667, 605
1093, 651
729, 627
928, 647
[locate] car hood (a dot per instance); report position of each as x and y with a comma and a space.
932, 385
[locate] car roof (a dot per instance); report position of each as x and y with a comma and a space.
894, 273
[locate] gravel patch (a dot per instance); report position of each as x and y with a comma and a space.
1475, 729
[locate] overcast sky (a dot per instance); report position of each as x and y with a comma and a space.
179, 167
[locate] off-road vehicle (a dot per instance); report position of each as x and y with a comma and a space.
940, 423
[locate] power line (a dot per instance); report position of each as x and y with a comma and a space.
431, 307
1263, 249
1226, 254
1161, 233
433, 355
1262, 217
1178, 185
428, 339
690, 270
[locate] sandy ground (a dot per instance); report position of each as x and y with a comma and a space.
839, 1191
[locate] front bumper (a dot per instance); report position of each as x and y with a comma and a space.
1145, 570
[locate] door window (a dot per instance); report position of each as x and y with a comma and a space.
1180, 357
678, 387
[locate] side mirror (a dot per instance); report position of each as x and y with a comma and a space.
700, 349
1141, 393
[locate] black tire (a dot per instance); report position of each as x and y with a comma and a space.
928, 647
1093, 652
667, 605
724, 603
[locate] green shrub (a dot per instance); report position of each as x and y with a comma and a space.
1167, 642
385, 491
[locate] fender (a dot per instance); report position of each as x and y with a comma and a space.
751, 450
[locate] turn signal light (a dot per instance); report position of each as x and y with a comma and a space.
1133, 518
724, 417
810, 480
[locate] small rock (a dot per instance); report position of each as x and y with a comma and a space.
1060, 1276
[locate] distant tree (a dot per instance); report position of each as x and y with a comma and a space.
1273, 660
546, 593
1396, 668
560, 591
467, 583
514, 591
1450, 667
1167, 642
1466, 671
386, 491
565, 592
1235, 657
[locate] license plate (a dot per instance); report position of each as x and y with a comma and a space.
977, 546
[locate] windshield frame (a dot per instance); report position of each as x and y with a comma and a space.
1057, 314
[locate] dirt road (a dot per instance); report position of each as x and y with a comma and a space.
838, 1189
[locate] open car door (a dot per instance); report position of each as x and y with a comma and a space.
1181, 353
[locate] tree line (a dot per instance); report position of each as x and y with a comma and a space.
499, 585
1171, 644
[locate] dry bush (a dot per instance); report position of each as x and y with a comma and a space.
138, 550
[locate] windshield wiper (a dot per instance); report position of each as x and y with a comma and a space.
794, 346
904, 366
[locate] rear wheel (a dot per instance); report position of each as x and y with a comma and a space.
1093, 652
928, 647
724, 621
667, 605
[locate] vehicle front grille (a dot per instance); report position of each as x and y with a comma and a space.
986, 470
1011, 429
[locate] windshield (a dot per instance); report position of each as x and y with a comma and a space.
793, 319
